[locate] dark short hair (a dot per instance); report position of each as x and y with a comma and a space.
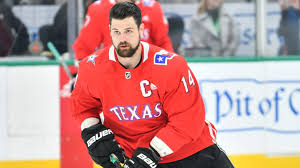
123, 10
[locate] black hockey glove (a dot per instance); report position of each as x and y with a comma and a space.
101, 144
143, 158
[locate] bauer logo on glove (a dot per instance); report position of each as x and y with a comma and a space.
98, 136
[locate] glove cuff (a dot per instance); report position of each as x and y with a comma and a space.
155, 153
148, 152
88, 122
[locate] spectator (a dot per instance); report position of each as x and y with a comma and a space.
213, 30
95, 32
289, 27
176, 30
34, 2
57, 32
6, 38
13, 30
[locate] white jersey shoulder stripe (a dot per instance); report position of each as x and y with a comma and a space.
112, 1
97, 2
146, 50
212, 131
112, 53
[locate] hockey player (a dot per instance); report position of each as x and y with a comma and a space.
95, 32
142, 99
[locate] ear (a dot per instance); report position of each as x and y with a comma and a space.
109, 26
141, 29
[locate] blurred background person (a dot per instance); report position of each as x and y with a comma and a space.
95, 32
34, 2
57, 32
289, 27
176, 30
14, 31
6, 38
213, 30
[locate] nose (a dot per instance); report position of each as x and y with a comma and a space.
123, 37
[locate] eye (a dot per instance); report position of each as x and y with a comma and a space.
128, 31
116, 32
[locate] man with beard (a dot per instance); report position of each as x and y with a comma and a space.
141, 104
95, 32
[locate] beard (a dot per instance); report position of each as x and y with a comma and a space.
126, 52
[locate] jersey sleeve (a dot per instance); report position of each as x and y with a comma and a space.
185, 109
160, 28
83, 102
89, 37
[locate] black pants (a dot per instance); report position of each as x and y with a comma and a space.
210, 157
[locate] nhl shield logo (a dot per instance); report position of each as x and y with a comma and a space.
127, 75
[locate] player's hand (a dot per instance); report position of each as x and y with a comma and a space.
142, 158
101, 143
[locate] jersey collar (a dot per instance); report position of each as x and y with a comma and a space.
145, 48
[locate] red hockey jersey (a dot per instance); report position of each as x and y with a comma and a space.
157, 103
95, 32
